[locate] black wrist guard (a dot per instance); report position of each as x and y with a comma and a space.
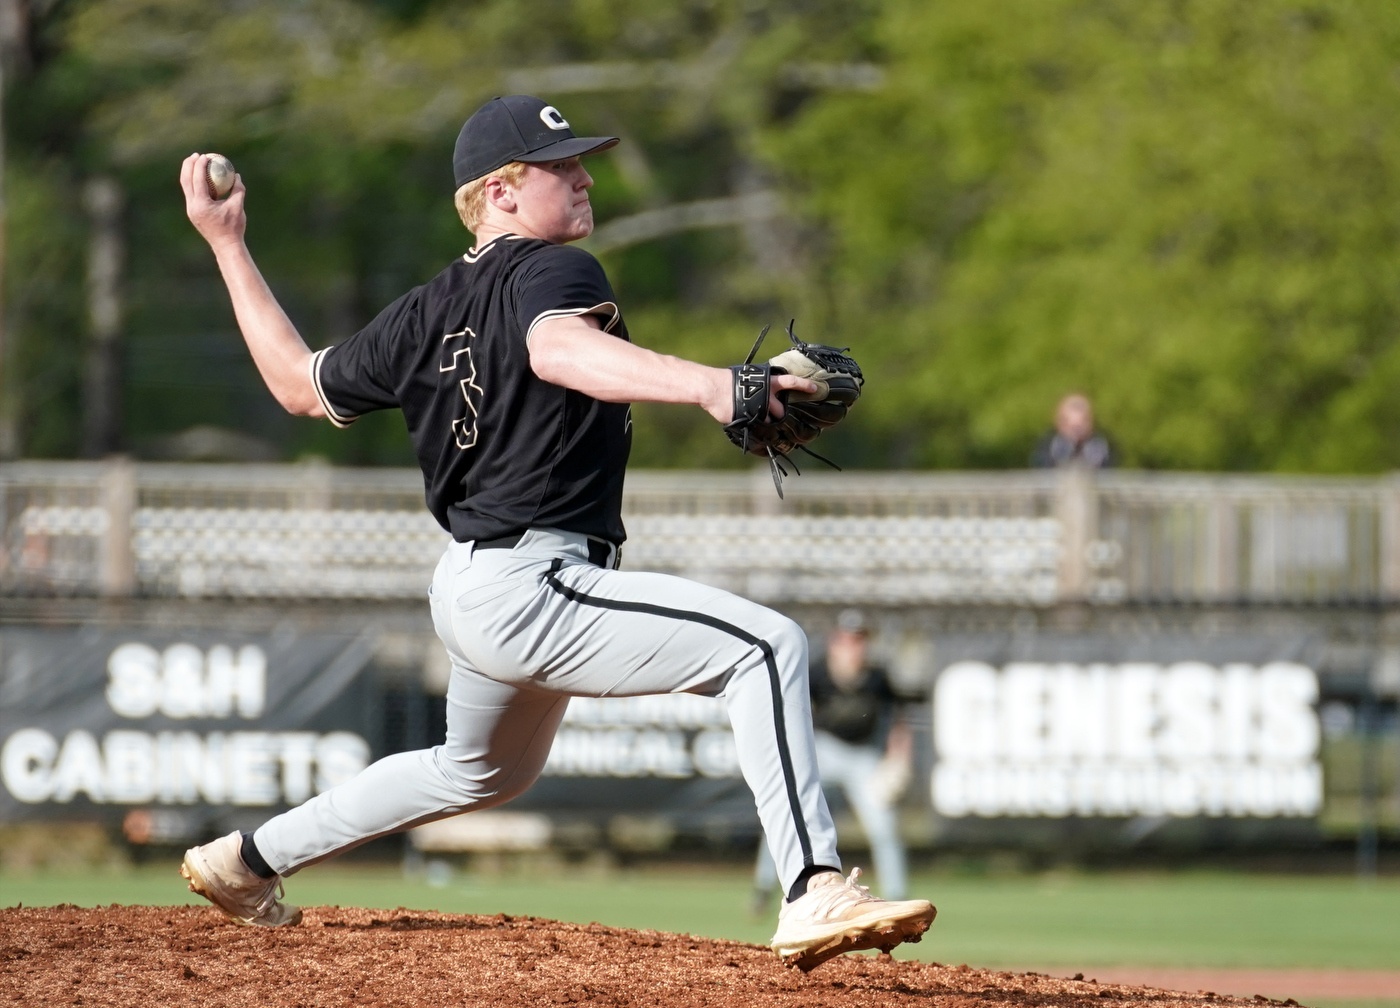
751, 385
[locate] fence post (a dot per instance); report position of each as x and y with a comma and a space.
1390, 539
1076, 508
315, 487
117, 559
1222, 580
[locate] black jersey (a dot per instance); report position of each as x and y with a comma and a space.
501, 450
861, 713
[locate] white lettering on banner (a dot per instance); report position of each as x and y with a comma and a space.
236, 681
252, 766
172, 768
619, 752
340, 755
184, 682
662, 710
130, 758
715, 754
133, 688
79, 769
25, 764
666, 735
213, 770
1038, 739
298, 757
179, 768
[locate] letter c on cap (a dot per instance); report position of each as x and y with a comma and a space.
549, 115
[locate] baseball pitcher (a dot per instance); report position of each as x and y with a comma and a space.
514, 370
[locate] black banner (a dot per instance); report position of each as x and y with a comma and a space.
179, 726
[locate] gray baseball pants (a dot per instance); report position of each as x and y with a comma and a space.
854, 767
529, 627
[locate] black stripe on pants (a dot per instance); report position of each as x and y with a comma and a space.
779, 720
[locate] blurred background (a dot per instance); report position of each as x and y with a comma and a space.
1120, 530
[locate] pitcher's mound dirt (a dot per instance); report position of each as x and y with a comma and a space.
189, 956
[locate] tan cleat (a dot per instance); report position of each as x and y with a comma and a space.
216, 871
836, 915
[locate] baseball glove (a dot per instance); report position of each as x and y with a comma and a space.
755, 431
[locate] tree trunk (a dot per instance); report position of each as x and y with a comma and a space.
11, 55
8, 448
14, 61
102, 197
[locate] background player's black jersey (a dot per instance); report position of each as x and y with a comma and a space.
859, 713
501, 450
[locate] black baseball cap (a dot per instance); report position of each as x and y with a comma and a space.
517, 128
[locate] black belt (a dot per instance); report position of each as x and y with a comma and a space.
599, 551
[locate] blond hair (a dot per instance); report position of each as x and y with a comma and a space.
470, 199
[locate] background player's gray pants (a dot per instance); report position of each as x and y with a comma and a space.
528, 628
855, 768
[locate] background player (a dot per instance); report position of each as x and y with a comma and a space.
513, 369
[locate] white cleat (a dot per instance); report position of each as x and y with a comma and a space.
216, 871
836, 915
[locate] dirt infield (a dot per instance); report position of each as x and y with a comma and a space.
189, 956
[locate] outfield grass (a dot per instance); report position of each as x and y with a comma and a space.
1070, 920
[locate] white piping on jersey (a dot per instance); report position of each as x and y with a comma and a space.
473, 254
572, 312
315, 367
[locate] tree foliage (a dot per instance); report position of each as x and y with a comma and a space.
1186, 210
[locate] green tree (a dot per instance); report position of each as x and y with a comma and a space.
1186, 210
341, 116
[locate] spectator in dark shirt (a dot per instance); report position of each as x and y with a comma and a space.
1073, 439
862, 745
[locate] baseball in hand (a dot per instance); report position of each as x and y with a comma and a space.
219, 174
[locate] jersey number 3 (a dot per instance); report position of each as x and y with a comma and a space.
457, 361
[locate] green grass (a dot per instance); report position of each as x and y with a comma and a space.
1069, 920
